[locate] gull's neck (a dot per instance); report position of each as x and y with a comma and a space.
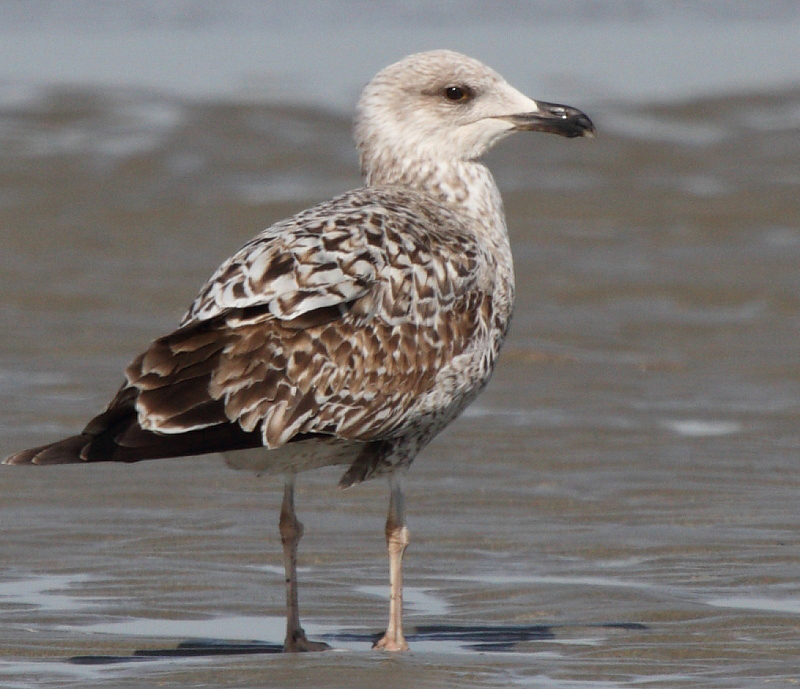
466, 186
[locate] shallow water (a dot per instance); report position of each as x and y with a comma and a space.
619, 508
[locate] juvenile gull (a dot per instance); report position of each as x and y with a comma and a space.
355, 331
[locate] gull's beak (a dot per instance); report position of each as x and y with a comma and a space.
554, 119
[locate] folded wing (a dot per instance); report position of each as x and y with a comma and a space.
333, 323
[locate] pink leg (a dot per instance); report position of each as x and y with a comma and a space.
397, 539
291, 532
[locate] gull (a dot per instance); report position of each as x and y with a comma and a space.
353, 332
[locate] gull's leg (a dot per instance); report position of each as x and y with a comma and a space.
397, 541
291, 533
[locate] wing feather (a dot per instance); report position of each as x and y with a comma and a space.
337, 322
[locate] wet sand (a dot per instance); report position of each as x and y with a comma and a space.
618, 508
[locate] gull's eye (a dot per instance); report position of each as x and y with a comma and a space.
457, 94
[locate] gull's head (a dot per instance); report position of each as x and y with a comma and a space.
441, 105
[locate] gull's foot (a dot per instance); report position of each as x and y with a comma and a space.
298, 643
395, 642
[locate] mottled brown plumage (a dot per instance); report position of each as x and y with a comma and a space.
352, 349
354, 331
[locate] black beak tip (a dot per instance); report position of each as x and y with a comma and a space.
568, 121
582, 126
556, 119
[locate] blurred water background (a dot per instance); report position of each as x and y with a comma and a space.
620, 506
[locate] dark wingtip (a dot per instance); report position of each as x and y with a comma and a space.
23, 457
67, 451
